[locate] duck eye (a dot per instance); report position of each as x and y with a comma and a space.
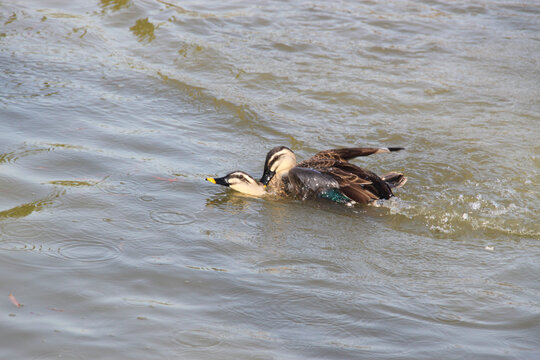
273, 162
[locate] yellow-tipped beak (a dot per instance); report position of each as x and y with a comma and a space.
212, 180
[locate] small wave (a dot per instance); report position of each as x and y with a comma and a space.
123, 186
172, 217
314, 267
463, 214
68, 253
197, 338
25, 150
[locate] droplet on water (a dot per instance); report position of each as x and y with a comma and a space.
475, 205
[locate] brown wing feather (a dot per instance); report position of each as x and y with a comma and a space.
359, 194
351, 153
369, 181
346, 178
359, 184
350, 175
317, 163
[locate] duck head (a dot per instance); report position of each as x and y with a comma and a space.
241, 182
278, 161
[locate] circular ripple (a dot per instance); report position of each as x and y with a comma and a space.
119, 187
147, 198
87, 251
58, 355
14, 245
23, 228
197, 338
172, 217
159, 260
67, 253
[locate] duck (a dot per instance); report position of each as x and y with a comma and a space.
328, 174
241, 182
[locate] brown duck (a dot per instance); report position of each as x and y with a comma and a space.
329, 174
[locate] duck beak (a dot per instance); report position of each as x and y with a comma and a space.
219, 181
267, 176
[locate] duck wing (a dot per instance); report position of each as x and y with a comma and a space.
342, 171
308, 183
350, 153
359, 194
359, 184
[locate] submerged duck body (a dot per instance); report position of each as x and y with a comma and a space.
328, 174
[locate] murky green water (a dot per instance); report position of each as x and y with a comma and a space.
113, 112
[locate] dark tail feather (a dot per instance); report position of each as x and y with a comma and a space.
394, 180
351, 153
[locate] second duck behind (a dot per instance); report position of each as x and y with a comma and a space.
329, 174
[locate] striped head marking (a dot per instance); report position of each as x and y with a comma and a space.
241, 182
278, 160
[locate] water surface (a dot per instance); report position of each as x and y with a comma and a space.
113, 112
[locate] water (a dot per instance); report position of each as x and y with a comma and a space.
112, 113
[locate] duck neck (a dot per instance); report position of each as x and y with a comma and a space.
277, 184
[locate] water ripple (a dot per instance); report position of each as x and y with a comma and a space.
29, 150
314, 267
67, 253
58, 355
172, 217
197, 338
124, 186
